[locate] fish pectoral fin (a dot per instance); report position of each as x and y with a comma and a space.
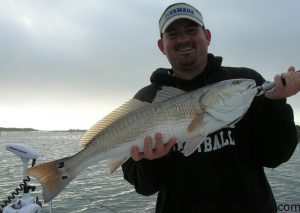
193, 144
196, 123
114, 164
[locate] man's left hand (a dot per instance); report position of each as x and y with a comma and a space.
286, 85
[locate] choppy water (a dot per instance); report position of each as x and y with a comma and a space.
95, 190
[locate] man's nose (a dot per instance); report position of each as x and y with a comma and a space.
182, 36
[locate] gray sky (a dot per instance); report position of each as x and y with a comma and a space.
66, 63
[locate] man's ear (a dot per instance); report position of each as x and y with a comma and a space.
208, 36
161, 45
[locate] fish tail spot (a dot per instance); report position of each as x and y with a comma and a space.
51, 178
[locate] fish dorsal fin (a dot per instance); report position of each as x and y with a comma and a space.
118, 113
167, 92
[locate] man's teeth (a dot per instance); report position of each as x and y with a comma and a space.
185, 49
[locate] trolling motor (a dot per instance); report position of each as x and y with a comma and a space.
26, 203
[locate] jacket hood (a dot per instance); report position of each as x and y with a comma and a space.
163, 76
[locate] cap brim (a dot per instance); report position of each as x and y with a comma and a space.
171, 20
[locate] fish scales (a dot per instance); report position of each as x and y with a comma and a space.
142, 121
165, 114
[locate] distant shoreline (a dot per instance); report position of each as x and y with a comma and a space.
8, 129
5, 129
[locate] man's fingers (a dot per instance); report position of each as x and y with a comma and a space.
168, 146
148, 147
288, 77
159, 144
287, 84
152, 151
136, 155
291, 69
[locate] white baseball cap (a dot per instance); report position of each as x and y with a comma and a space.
179, 11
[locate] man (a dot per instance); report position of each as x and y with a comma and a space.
225, 174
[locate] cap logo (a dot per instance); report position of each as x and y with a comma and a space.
179, 10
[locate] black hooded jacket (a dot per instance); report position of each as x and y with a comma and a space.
225, 174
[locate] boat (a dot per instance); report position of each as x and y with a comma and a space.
26, 203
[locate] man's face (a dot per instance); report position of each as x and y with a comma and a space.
185, 44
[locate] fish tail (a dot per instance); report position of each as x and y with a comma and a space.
53, 176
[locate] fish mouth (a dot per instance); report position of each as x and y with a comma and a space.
251, 86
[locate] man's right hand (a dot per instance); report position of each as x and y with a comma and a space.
160, 149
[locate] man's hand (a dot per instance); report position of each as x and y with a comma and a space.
159, 150
286, 85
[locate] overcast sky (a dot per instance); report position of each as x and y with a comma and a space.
66, 63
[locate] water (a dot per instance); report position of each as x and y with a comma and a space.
95, 190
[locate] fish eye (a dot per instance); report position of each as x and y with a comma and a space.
237, 82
